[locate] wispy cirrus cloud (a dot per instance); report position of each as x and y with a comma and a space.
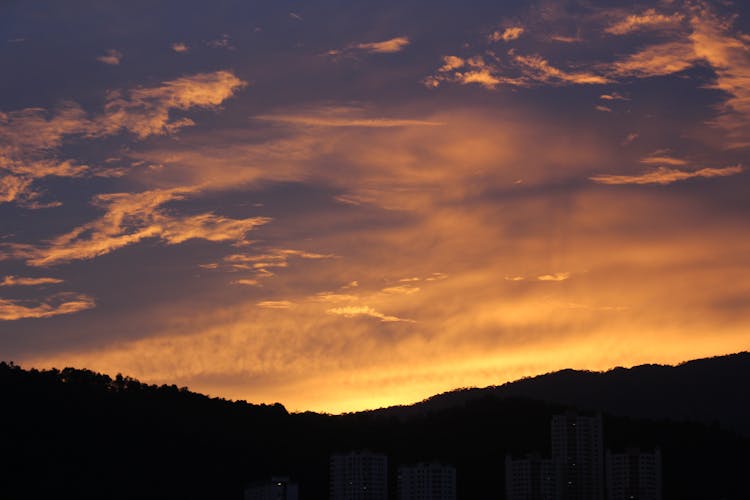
401, 290
63, 303
667, 175
648, 19
538, 69
613, 96
260, 265
517, 71
566, 38
728, 52
656, 60
396, 44
26, 281
561, 276
30, 137
662, 158
342, 116
275, 304
128, 219
365, 311
389, 46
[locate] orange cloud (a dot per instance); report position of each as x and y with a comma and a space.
342, 117
729, 56
566, 39
512, 33
64, 303
666, 175
13, 188
367, 311
112, 57
29, 137
539, 69
554, 277
613, 96
180, 47
259, 264
400, 290
661, 159
474, 70
275, 304
656, 60
389, 46
301, 352
649, 19
25, 281
529, 70
146, 111
128, 219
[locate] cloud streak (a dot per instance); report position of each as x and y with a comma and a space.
128, 219
396, 44
29, 137
26, 281
64, 303
343, 117
389, 46
648, 19
666, 175
365, 311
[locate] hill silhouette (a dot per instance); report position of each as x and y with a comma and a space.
711, 390
79, 434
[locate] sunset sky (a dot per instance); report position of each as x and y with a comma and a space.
342, 205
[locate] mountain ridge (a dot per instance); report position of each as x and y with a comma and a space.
76, 433
704, 390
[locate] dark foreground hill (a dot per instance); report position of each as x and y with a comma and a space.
711, 390
79, 434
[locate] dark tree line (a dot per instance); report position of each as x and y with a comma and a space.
79, 434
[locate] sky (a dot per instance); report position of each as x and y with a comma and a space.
345, 205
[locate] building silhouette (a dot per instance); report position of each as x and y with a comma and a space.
531, 478
427, 481
359, 475
633, 475
577, 449
277, 488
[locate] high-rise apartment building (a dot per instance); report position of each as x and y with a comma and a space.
278, 488
532, 478
359, 475
633, 475
577, 447
427, 481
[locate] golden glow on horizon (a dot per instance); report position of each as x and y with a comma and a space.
370, 218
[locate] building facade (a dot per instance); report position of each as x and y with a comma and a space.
577, 448
633, 475
278, 488
427, 481
359, 475
532, 478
